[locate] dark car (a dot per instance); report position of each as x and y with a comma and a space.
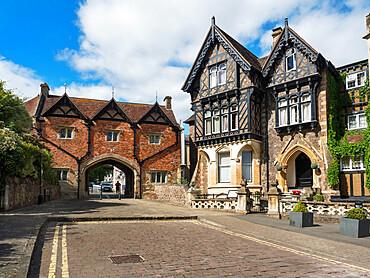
107, 186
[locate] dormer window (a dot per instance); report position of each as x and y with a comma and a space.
217, 75
355, 80
290, 60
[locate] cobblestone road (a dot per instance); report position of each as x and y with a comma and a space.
187, 248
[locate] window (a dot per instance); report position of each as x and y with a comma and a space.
234, 117
247, 165
154, 139
217, 75
224, 120
283, 117
213, 77
207, 122
66, 133
355, 80
290, 60
216, 121
222, 74
357, 121
224, 167
306, 108
158, 177
62, 175
349, 163
293, 110
112, 136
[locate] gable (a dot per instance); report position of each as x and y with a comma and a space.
288, 39
156, 116
64, 107
111, 111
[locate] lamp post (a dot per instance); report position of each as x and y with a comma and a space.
40, 199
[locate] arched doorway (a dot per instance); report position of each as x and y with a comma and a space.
130, 172
303, 171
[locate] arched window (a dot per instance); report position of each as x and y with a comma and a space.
213, 77
222, 74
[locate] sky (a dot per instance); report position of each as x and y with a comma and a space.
145, 48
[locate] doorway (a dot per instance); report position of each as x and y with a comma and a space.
303, 171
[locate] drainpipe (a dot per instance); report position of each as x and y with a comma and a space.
267, 145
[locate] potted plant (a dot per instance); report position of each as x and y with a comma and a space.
300, 216
355, 224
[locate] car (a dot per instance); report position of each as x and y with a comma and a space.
107, 186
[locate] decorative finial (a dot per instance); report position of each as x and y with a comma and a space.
213, 20
65, 87
112, 91
213, 28
286, 22
156, 96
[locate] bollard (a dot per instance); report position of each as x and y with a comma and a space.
101, 193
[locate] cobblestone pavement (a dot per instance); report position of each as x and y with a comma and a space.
186, 248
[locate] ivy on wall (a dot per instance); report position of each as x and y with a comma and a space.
337, 134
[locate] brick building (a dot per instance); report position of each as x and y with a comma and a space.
140, 139
264, 119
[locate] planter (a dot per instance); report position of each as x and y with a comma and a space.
354, 227
301, 219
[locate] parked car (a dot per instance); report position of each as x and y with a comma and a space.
107, 186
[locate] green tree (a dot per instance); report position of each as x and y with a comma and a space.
100, 172
13, 114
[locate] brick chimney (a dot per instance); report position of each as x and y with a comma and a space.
168, 102
45, 89
275, 35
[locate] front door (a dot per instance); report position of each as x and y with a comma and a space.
303, 171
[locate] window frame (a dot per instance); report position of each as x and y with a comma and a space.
308, 103
158, 177
66, 128
350, 160
224, 115
216, 116
290, 55
207, 118
222, 166
112, 131
357, 119
248, 164
281, 108
215, 73
221, 70
234, 112
62, 174
154, 135
358, 82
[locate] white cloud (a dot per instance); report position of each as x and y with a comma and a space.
23, 81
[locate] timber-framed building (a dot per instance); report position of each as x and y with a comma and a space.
262, 119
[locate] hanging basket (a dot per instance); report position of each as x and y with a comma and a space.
279, 168
314, 166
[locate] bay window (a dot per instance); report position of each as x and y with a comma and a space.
216, 121
293, 110
207, 122
234, 117
283, 117
306, 108
225, 119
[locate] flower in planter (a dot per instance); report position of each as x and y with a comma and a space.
257, 193
296, 192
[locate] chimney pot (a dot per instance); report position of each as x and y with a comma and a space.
168, 102
45, 89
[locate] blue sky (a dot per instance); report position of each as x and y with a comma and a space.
142, 47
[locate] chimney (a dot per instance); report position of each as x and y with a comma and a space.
167, 102
367, 37
275, 35
45, 90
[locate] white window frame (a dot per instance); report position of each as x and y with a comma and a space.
223, 166
158, 177
290, 53
357, 119
234, 113
112, 136
283, 106
351, 163
66, 128
224, 119
213, 77
154, 136
249, 165
355, 77
306, 103
216, 121
294, 106
207, 118
221, 73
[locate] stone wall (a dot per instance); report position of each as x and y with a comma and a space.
173, 193
24, 192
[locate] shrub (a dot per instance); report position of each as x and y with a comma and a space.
319, 197
356, 213
300, 207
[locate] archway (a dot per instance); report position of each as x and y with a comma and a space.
303, 171
127, 167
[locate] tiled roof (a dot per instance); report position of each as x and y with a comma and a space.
190, 119
263, 61
90, 107
247, 55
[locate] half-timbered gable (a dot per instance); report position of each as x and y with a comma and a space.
111, 111
64, 107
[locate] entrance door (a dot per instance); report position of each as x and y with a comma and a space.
303, 171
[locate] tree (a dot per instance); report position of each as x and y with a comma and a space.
13, 114
100, 172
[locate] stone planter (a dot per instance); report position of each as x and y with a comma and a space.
354, 227
301, 219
